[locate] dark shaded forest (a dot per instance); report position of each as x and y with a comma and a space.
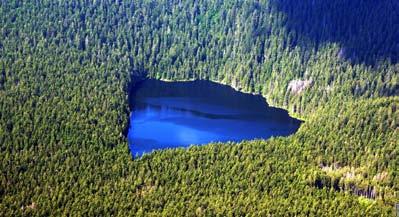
66, 68
366, 31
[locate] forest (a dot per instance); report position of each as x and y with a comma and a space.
67, 67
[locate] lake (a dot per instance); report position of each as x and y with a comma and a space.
180, 114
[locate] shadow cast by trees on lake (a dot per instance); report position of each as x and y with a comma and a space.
366, 30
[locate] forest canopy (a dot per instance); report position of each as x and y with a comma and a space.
66, 68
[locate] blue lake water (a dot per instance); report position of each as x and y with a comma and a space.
180, 114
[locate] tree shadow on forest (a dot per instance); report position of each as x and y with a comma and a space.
366, 30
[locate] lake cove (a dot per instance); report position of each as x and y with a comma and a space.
180, 114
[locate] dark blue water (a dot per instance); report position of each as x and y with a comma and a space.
180, 114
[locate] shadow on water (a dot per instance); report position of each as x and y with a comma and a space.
366, 30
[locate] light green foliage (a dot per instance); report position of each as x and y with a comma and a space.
65, 72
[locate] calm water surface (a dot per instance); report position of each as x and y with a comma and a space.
180, 114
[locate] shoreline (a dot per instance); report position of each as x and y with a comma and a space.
291, 114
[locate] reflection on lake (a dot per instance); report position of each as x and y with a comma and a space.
180, 114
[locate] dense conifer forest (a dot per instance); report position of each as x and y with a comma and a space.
66, 69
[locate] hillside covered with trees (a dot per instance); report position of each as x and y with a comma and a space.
66, 69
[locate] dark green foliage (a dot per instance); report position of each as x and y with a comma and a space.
66, 68
367, 31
